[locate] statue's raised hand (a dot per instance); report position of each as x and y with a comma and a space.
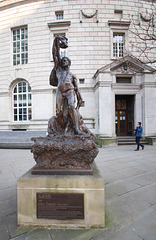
63, 41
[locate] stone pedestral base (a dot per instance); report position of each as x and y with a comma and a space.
86, 191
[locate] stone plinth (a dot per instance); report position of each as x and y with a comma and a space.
92, 186
151, 140
106, 141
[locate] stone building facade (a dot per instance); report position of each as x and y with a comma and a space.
118, 89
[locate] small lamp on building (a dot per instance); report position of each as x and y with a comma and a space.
125, 67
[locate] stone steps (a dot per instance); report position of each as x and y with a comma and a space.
129, 140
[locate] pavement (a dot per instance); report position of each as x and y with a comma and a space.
130, 196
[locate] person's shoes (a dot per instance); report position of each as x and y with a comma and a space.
142, 147
136, 150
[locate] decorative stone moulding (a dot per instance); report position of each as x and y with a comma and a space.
82, 14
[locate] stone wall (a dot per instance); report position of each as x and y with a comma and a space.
89, 50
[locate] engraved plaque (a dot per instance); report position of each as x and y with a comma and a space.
60, 205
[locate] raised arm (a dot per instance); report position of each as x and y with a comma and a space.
56, 53
59, 41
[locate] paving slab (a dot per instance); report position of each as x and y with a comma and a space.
4, 231
6, 208
7, 194
112, 178
129, 204
145, 179
122, 186
130, 187
119, 235
129, 172
38, 234
74, 234
145, 225
147, 193
14, 230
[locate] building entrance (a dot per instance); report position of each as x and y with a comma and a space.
124, 115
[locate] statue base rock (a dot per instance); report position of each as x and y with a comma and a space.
64, 154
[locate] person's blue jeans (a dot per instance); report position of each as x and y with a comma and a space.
138, 142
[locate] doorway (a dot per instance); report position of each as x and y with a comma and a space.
124, 115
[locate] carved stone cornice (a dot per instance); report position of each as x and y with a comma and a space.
59, 24
149, 85
102, 84
4, 4
133, 65
4, 94
88, 89
126, 87
122, 23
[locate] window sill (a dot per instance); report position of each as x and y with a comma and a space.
19, 66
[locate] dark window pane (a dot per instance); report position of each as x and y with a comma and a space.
81, 81
24, 117
15, 89
15, 111
123, 80
24, 111
20, 90
18, 44
15, 96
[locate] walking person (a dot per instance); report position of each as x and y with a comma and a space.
138, 134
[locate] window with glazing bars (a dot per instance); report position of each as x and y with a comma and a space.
118, 45
63, 52
22, 102
59, 15
20, 46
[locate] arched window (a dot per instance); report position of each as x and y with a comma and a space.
22, 102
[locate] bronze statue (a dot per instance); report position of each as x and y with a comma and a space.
67, 87
69, 147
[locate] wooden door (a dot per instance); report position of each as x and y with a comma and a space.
121, 123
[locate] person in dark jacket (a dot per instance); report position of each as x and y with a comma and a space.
138, 134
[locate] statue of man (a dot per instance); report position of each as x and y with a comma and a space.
66, 83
